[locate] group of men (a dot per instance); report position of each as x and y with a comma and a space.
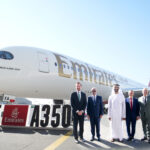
119, 109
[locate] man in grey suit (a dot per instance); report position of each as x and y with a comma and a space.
144, 103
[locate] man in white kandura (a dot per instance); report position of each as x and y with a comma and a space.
116, 113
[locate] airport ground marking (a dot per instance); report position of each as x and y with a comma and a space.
59, 141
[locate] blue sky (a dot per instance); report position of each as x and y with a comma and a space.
111, 34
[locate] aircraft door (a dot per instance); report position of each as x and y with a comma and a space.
43, 62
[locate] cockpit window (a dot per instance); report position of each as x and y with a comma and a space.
6, 55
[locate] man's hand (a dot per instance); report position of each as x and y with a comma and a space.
123, 118
88, 117
138, 117
80, 113
101, 116
109, 118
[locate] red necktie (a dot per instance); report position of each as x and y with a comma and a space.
131, 103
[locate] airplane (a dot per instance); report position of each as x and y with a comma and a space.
39, 73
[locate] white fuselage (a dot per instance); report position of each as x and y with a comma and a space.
38, 73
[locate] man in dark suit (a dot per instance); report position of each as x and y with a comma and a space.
78, 103
132, 114
95, 112
144, 103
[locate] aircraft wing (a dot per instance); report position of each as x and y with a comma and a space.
137, 92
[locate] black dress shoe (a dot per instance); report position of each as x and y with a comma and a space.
99, 139
76, 141
92, 139
112, 140
83, 140
143, 139
129, 139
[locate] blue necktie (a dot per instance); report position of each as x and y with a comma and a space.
145, 100
94, 100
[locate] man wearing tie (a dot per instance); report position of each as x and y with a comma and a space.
95, 112
78, 104
144, 103
132, 114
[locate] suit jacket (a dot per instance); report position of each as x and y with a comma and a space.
76, 104
144, 108
95, 109
135, 108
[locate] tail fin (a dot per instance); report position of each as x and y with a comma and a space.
149, 84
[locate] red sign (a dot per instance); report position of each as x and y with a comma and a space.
15, 115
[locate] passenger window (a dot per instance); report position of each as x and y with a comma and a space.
55, 64
6, 55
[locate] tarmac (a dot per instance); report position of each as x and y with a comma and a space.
48, 139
